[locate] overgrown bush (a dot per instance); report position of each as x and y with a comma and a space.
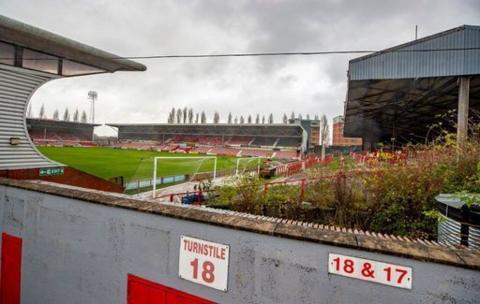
383, 197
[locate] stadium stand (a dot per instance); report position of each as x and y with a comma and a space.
203, 149
228, 151
285, 154
289, 142
264, 141
220, 139
57, 132
239, 140
257, 152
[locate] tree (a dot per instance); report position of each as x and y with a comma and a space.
216, 118
242, 120
270, 118
56, 115
235, 121
300, 116
285, 118
84, 117
171, 116
324, 132
203, 118
229, 120
66, 115
75, 115
41, 115
249, 119
292, 116
257, 119
185, 115
179, 115
29, 111
196, 118
263, 119
308, 116
190, 116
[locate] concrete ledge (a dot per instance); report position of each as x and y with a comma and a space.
415, 249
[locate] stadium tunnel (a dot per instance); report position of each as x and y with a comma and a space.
398, 95
30, 57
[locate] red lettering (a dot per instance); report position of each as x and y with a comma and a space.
402, 275
348, 266
388, 270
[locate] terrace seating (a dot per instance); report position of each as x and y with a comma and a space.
286, 154
264, 141
202, 149
239, 140
289, 142
228, 151
257, 152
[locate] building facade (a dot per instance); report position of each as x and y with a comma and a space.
338, 138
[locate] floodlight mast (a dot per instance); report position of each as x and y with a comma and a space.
92, 96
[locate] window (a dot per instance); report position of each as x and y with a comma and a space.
40, 61
7, 53
71, 68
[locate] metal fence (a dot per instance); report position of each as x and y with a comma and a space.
144, 183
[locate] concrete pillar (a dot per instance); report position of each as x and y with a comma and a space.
463, 101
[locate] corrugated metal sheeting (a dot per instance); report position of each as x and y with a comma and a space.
449, 232
16, 89
424, 57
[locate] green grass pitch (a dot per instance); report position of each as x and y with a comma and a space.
131, 164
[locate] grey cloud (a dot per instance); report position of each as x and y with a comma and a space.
314, 84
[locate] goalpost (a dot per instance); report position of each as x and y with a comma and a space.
158, 159
258, 158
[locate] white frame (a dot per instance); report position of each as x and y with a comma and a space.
179, 157
259, 158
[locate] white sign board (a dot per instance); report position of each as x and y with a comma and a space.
204, 262
368, 270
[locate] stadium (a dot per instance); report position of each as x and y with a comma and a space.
57, 132
130, 158
282, 141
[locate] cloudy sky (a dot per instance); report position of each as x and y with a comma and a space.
303, 84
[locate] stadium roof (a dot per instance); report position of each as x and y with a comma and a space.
61, 122
201, 125
400, 92
21, 34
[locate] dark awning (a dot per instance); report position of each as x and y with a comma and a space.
404, 109
25, 35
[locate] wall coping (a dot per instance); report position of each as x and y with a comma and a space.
417, 249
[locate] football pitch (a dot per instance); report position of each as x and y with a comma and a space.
131, 164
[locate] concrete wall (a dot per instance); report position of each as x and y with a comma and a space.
80, 252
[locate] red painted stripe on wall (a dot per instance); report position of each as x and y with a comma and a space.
11, 269
141, 291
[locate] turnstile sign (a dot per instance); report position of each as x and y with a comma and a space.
369, 270
51, 171
204, 262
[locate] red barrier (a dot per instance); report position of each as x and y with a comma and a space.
142, 291
297, 166
11, 269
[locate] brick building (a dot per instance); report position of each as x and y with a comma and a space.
338, 138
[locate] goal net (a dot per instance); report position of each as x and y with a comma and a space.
184, 168
248, 164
